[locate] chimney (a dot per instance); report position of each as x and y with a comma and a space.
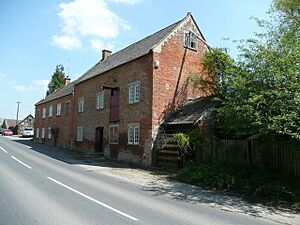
67, 80
105, 54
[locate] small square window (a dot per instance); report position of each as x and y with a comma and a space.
100, 100
44, 112
190, 40
50, 110
49, 133
37, 133
134, 93
79, 134
114, 134
80, 104
43, 132
133, 134
58, 109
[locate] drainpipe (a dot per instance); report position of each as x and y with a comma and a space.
73, 119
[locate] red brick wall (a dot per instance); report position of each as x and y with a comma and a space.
170, 82
62, 122
137, 70
163, 88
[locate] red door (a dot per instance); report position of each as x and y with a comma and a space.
114, 105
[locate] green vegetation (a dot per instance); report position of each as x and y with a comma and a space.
259, 97
259, 93
264, 185
188, 143
57, 79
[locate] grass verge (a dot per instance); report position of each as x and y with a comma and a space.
258, 184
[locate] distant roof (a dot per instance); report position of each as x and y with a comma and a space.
191, 112
29, 116
10, 123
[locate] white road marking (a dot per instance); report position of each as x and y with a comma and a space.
3, 149
19, 161
92, 199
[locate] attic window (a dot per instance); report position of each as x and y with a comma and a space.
190, 40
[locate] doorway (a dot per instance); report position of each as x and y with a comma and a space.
99, 139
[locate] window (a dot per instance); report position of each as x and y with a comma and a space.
133, 134
58, 109
37, 113
114, 134
44, 113
100, 100
49, 132
80, 104
67, 108
134, 93
37, 133
50, 110
190, 40
79, 134
43, 132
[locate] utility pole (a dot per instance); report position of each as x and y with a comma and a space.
17, 114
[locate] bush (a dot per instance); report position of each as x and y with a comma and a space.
250, 182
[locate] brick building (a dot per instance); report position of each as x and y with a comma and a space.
117, 105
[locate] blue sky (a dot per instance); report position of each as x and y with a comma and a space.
37, 35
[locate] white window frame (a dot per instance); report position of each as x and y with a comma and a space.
49, 132
58, 109
44, 112
50, 111
190, 38
43, 132
100, 100
81, 104
79, 136
115, 128
134, 92
37, 133
133, 134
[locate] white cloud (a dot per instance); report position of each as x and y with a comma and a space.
35, 85
43, 83
66, 41
130, 2
92, 19
98, 44
22, 88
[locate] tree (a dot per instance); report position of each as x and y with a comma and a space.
57, 79
289, 10
262, 94
218, 65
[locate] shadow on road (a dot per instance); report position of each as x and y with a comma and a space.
69, 156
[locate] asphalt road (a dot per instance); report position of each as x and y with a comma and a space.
38, 189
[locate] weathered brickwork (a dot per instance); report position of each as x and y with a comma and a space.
170, 80
139, 70
162, 74
61, 123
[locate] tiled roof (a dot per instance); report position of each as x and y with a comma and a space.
10, 122
129, 53
64, 91
134, 51
191, 112
26, 118
125, 55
